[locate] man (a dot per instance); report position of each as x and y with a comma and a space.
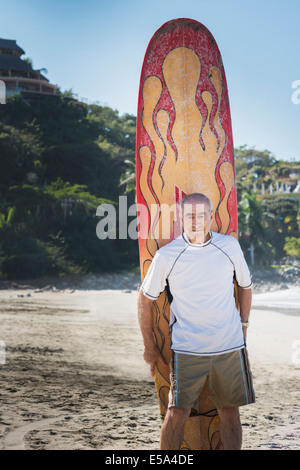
208, 333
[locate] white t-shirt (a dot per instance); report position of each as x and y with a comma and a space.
204, 319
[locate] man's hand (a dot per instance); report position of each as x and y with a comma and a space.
151, 356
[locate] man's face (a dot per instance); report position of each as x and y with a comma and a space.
197, 220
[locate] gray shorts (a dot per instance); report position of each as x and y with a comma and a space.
229, 378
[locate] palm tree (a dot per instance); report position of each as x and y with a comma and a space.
251, 225
128, 178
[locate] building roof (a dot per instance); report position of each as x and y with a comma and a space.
12, 62
10, 44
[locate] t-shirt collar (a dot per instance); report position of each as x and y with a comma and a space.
186, 239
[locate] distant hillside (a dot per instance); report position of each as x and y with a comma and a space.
261, 169
60, 159
269, 206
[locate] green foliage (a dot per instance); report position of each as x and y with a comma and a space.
59, 160
253, 230
265, 221
7, 220
292, 247
128, 178
280, 216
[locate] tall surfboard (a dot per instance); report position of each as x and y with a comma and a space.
184, 144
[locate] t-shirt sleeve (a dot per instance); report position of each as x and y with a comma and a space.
242, 272
155, 281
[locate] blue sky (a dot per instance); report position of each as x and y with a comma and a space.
96, 48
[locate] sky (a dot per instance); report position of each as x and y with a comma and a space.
96, 48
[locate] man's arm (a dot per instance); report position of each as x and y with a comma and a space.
151, 352
245, 300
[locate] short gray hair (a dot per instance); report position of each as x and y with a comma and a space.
198, 197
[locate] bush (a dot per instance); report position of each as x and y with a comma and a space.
292, 247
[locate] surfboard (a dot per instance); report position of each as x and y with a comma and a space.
184, 144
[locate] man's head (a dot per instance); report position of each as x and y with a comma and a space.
197, 217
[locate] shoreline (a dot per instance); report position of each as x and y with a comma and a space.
264, 280
74, 376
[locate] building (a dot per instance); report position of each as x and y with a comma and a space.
18, 75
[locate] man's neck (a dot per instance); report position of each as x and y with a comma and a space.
194, 240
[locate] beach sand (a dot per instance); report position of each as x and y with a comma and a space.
73, 376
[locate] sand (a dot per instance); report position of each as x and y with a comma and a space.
73, 377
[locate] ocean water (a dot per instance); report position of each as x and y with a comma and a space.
285, 301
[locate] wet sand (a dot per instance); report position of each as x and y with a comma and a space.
74, 377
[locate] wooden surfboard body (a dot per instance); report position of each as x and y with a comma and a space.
184, 145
